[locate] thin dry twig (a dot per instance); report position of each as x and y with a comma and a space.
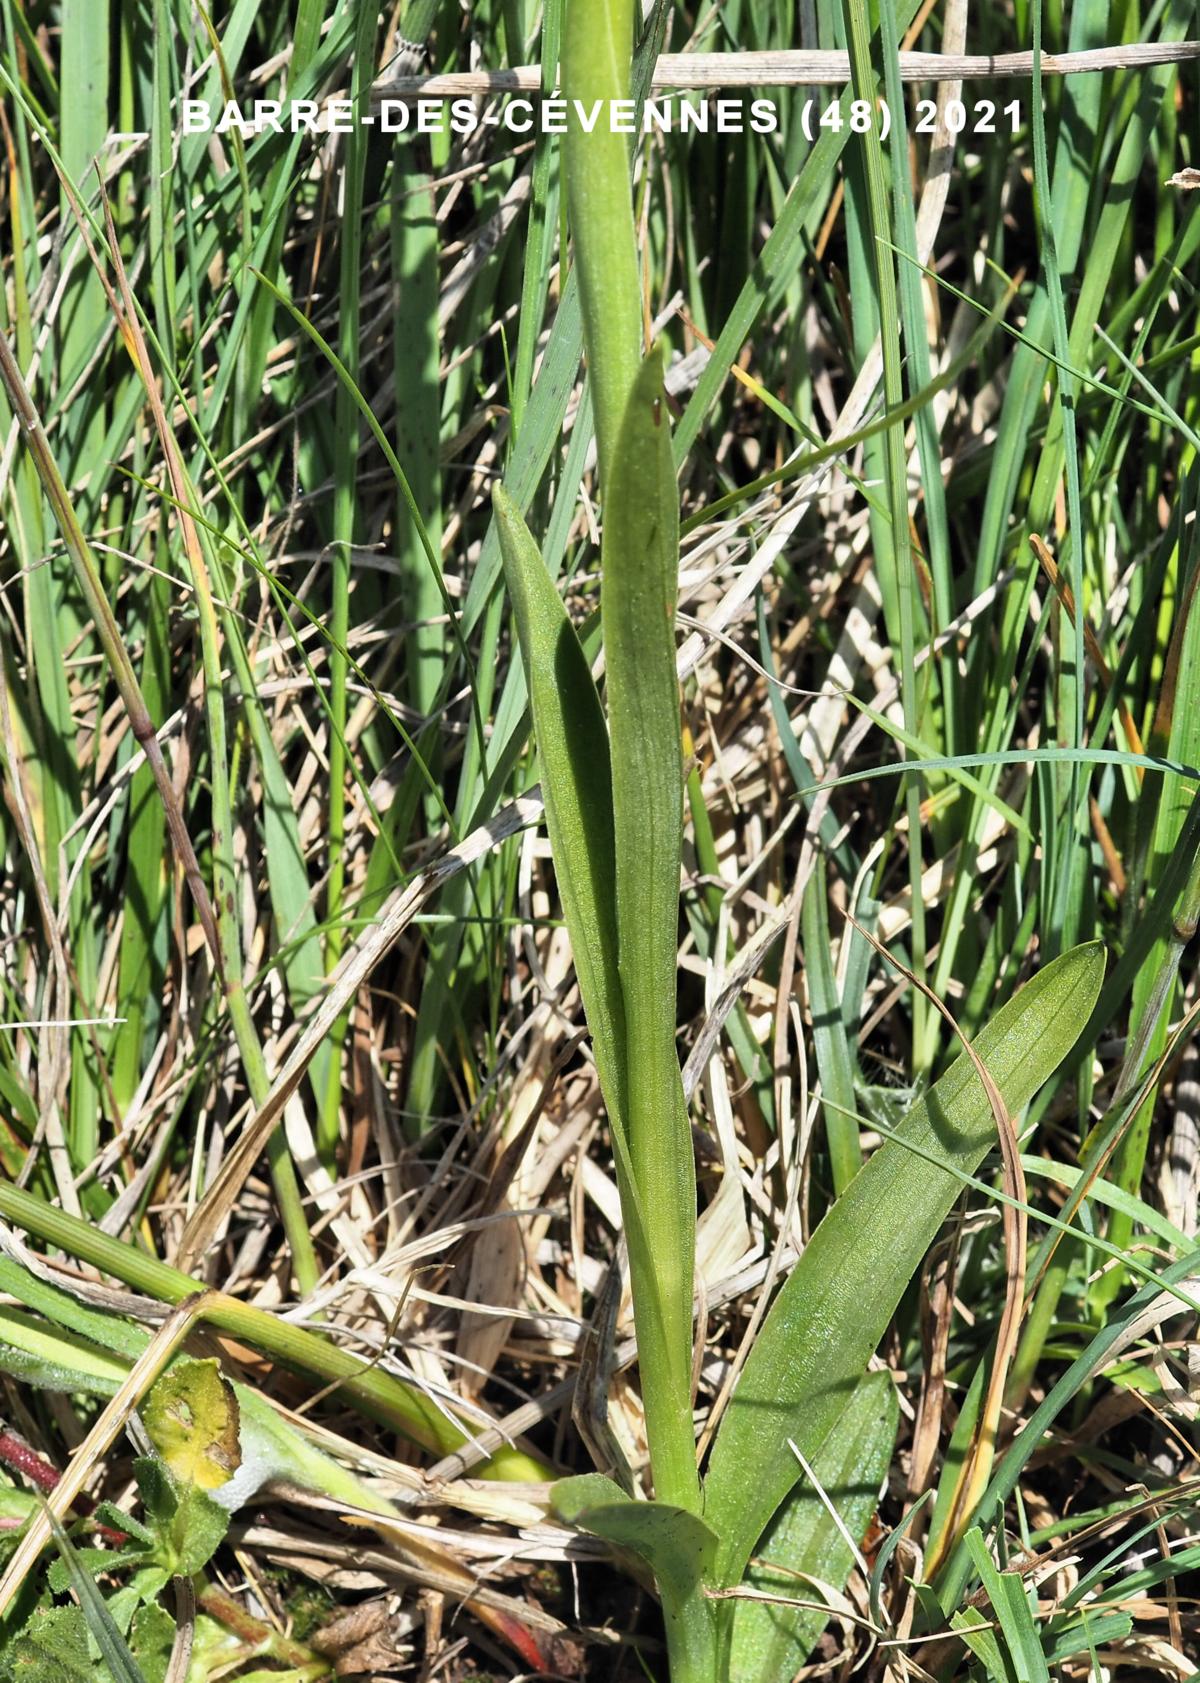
805, 69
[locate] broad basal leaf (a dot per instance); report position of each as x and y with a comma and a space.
803, 1542
835, 1306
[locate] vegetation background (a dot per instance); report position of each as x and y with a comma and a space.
276, 377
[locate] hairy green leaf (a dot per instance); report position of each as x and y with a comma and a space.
52, 1648
122, 1666
190, 1525
151, 1639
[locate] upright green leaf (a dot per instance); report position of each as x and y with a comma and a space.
1010, 1605
830, 1039
640, 585
573, 755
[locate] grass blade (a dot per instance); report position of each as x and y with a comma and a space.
114, 1650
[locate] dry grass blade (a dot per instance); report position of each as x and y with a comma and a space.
353, 969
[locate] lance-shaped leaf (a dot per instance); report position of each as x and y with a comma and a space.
578, 789
573, 756
640, 586
835, 1306
805, 1543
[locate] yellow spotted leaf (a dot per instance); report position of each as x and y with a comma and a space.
192, 1417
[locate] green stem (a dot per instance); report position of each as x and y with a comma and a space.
262, 1638
345, 503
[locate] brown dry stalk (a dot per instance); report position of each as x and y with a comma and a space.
937, 1317
185, 1630
800, 69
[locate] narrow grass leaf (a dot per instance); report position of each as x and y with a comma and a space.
1006, 1591
979, 1636
1111, 1338
112, 1645
830, 1040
